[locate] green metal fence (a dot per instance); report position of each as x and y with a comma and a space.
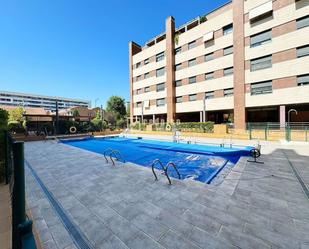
22, 236
275, 131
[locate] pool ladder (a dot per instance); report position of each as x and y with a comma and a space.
113, 154
164, 169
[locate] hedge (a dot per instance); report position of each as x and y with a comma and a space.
204, 127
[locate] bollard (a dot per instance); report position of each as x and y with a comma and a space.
18, 200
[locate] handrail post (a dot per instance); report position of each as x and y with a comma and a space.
18, 200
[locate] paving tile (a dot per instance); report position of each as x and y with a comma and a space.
242, 240
206, 223
171, 240
149, 225
60, 236
112, 242
206, 240
122, 228
142, 241
273, 238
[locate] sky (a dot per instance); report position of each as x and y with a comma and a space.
79, 48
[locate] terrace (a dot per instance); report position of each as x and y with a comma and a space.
121, 206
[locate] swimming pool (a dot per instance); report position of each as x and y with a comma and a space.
197, 162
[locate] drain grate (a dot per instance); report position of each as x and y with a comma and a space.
298, 177
79, 239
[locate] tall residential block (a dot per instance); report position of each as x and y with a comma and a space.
246, 61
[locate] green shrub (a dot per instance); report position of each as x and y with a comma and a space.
196, 126
16, 127
138, 126
203, 127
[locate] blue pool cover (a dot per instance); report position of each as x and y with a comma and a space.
198, 162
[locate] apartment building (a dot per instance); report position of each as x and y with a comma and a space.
246, 61
33, 100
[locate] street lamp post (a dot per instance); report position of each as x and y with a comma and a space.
95, 102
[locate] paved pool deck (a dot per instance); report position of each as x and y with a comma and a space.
257, 206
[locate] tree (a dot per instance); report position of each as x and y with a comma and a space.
116, 105
4, 116
75, 113
128, 109
16, 114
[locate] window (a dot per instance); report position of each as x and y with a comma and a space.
260, 39
138, 78
192, 97
178, 67
160, 72
209, 43
228, 50
260, 63
192, 62
209, 95
146, 61
160, 102
303, 51
209, 76
139, 91
192, 80
192, 45
178, 83
228, 92
139, 104
209, 57
146, 75
302, 22
228, 71
178, 50
261, 88
160, 87
147, 89
138, 64
303, 80
160, 57
179, 99
228, 29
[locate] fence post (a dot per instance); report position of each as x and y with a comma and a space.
266, 130
18, 200
288, 133
6, 157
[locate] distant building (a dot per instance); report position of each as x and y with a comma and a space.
34, 101
246, 61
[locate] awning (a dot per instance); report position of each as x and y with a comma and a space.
209, 36
261, 10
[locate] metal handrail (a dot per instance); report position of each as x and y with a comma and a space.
105, 152
174, 166
115, 153
163, 168
157, 161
